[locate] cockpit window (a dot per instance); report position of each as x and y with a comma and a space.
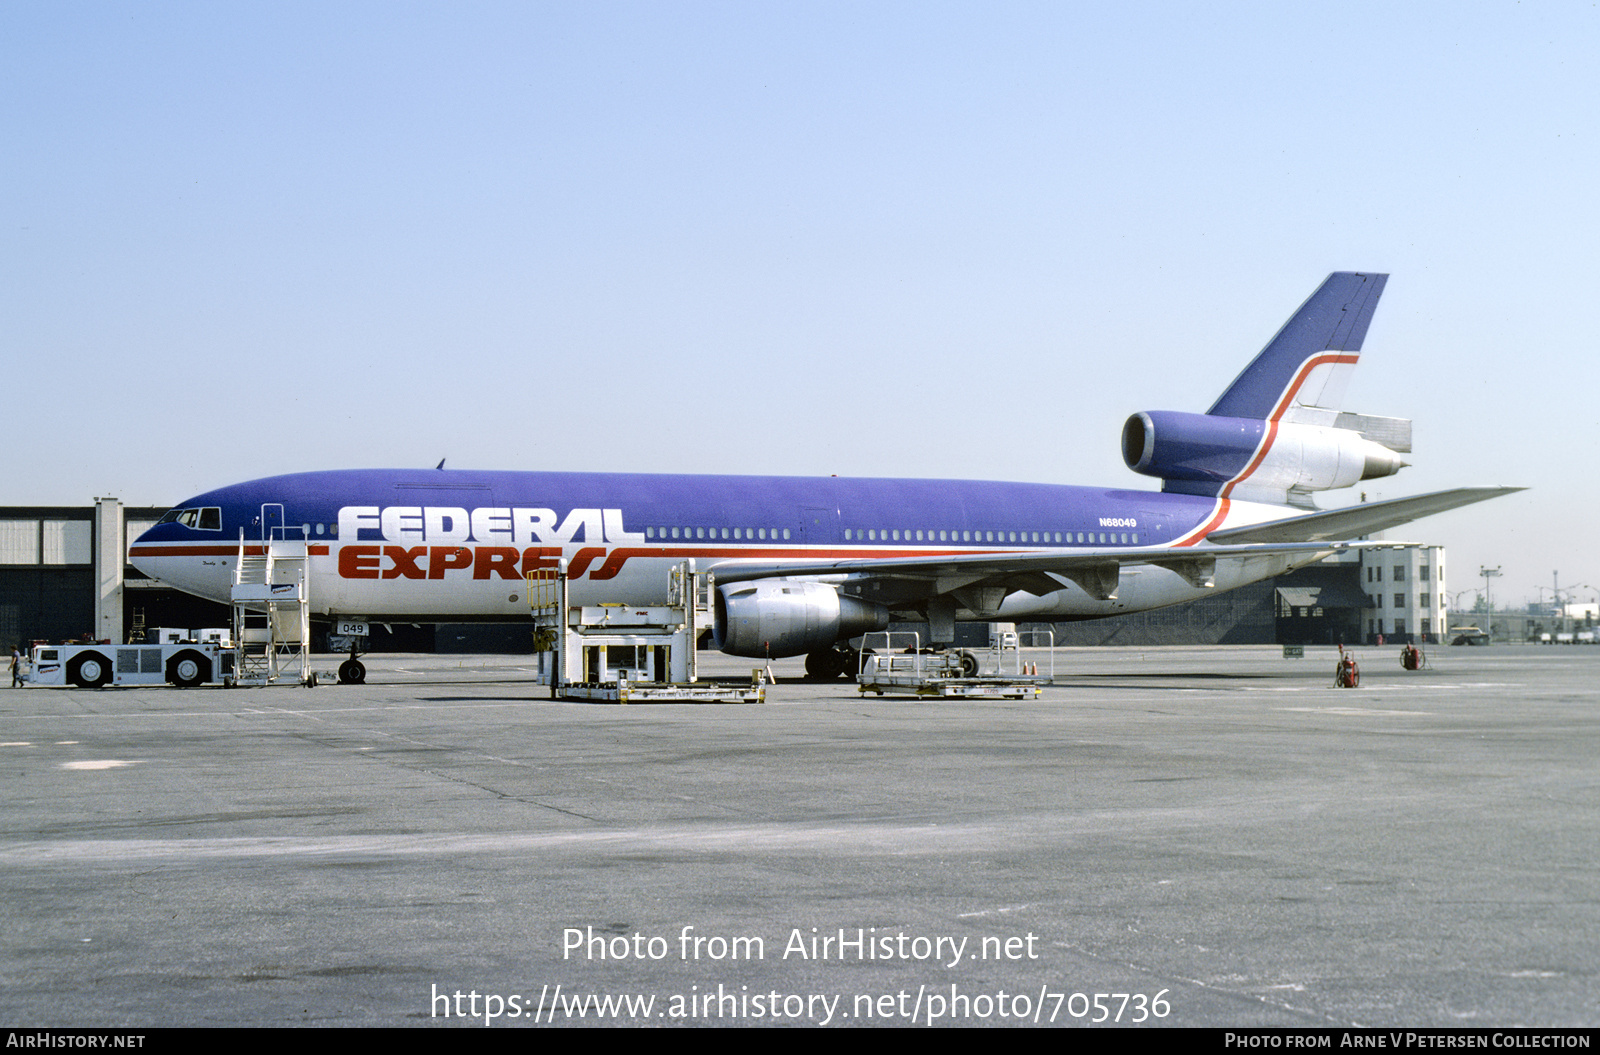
206, 518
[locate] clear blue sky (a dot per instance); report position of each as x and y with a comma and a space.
872, 239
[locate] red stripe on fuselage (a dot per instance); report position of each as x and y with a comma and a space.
678, 552
1219, 513
1282, 408
585, 557
319, 549
194, 551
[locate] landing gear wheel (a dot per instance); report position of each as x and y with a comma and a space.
352, 672
849, 662
90, 670
823, 665
829, 663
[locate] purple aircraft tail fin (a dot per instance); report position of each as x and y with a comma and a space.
1310, 359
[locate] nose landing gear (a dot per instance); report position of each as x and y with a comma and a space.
352, 671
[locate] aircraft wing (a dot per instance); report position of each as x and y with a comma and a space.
1096, 571
1357, 520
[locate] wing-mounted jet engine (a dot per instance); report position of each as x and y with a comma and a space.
788, 617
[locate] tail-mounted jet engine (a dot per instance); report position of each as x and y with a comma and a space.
787, 617
1199, 453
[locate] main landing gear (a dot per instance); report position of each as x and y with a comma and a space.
831, 663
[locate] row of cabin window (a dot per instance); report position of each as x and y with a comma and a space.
742, 534
1110, 538
907, 535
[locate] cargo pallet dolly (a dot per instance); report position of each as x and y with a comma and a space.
995, 673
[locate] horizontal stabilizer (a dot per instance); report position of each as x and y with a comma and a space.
1356, 520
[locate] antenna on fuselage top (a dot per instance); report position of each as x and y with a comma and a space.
441, 464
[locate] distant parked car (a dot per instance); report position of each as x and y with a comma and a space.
1468, 635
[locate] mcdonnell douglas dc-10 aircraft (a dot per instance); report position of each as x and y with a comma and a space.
804, 565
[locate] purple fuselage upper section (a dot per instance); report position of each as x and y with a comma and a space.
811, 511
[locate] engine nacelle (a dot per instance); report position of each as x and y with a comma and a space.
1198, 453
789, 617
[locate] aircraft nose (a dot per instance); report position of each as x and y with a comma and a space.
139, 556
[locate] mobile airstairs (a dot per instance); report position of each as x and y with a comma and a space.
272, 605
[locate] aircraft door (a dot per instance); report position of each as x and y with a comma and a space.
271, 521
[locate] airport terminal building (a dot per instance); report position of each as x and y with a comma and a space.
64, 576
